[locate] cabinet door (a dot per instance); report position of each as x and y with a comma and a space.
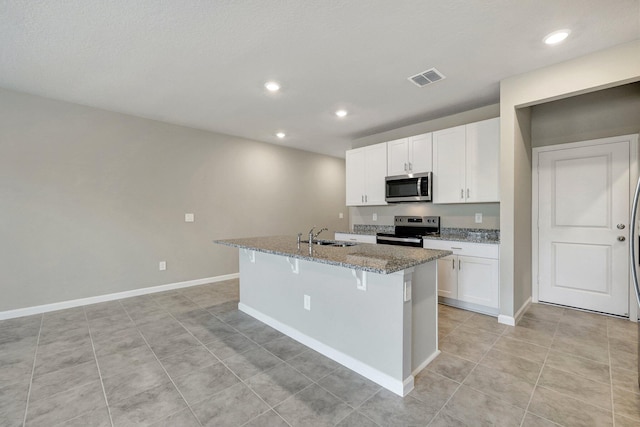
375, 172
448, 165
483, 161
397, 157
478, 281
420, 153
355, 164
448, 277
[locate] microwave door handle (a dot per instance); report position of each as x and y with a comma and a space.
419, 187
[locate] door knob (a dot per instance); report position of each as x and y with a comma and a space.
622, 238
620, 226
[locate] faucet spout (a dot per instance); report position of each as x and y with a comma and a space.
313, 236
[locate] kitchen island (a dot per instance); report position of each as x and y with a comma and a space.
372, 308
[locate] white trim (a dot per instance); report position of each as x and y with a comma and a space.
39, 309
407, 385
633, 179
401, 388
425, 363
634, 172
513, 321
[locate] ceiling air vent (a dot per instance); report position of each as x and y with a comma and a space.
427, 77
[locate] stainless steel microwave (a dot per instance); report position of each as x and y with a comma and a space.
409, 188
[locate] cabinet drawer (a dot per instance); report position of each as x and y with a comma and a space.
360, 238
484, 250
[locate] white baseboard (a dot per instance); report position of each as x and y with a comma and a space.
39, 309
399, 387
425, 363
513, 321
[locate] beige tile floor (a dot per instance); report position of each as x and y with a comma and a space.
189, 358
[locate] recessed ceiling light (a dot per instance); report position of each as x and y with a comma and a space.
281, 135
556, 37
341, 113
272, 86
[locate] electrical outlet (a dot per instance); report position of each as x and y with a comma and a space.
189, 217
375, 216
307, 302
340, 215
162, 265
478, 218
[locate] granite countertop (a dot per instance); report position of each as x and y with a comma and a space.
359, 232
468, 235
383, 259
472, 235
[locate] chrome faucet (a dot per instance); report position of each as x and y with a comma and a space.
313, 236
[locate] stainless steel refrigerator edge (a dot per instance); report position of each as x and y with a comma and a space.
634, 261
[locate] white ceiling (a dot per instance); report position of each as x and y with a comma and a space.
204, 63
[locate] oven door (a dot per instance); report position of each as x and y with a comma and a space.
408, 188
390, 239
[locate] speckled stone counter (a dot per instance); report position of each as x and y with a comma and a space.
383, 259
471, 235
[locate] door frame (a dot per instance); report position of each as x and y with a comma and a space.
633, 179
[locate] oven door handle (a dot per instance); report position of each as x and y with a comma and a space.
400, 239
419, 187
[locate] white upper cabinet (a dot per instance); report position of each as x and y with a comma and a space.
466, 163
409, 155
366, 171
448, 165
483, 161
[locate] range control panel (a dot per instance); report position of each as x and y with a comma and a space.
417, 221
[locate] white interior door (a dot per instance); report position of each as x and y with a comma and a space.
583, 213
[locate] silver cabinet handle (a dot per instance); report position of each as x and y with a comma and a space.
410, 166
366, 198
362, 198
405, 167
621, 238
620, 226
462, 193
453, 264
459, 264
453, 247
467, 193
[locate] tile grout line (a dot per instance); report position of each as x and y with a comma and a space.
271, 408
283, 362
613, 413
544, 363
160, 363
227, 367
461, 382
33, 370
95, 357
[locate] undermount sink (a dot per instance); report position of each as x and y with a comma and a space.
330, 243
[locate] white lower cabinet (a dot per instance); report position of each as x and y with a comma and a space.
360, 238
448, 277
470, 278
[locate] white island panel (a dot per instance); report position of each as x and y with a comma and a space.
372, 331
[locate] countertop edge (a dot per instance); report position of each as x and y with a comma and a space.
438, 254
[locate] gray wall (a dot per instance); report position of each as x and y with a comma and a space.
92, 200
609, 112
454, 215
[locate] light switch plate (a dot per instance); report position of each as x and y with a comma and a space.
189, 217
307, 302
478, 218
162, 265
340, 215
375, 216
